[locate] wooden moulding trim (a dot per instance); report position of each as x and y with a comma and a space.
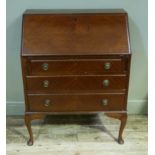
78, 112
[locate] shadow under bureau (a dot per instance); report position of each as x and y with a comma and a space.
75, 62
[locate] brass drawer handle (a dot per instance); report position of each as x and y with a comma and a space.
45, 66
106, 83
45, 83
104, 102
47, 103
107, 65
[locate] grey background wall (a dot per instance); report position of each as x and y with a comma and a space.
137, 11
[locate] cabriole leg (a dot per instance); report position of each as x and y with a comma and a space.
123, 118
28, 119
28, 125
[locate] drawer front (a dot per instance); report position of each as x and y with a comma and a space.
76, 84
76, 67
70, 103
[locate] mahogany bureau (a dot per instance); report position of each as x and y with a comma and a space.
75, 62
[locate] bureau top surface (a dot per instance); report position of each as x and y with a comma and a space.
66, 32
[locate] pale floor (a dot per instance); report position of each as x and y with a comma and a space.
77, 135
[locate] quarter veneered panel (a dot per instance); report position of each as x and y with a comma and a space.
75, 34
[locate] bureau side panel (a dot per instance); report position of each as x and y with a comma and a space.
24, 63
128, 62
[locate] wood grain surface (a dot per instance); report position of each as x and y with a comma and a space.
71, 103
75, 34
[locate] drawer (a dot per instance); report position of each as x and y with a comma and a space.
76, 67
76, 83
70, 103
